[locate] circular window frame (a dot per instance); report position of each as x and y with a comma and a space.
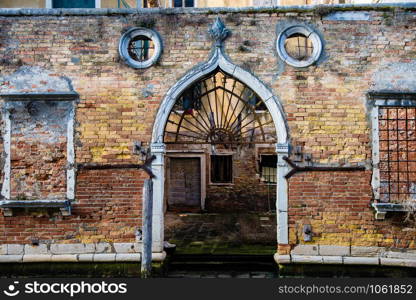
132, 33
307, 32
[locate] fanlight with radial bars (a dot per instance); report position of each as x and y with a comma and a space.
219, 110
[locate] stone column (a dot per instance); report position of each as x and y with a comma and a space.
5, 191
282, 197
158, 169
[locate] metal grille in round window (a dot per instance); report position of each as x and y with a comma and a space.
299, 46
140, 47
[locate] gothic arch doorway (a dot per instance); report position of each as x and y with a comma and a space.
215, 138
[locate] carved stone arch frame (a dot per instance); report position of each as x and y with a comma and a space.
219, 60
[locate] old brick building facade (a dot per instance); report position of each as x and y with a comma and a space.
337, 131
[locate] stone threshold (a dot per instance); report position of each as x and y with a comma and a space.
9, 205
75, 248
344, 260
97, 257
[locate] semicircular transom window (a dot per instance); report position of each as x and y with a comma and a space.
140, 47
219, 110
299, 46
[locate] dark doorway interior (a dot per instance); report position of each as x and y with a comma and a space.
222, 202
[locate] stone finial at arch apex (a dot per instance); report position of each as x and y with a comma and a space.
219, 33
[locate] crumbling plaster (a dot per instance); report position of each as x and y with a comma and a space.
36, 109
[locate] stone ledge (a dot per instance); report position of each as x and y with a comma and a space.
126, 247
14, 249
329, 250
64, 258
136, 257
348, 260
11, 258
8, 208
333, 260
79, 248
100, 257
85, 257
55, 96
321, 250
303, 259
305, 250
104, 257
400, 254
344, 260
366, 251
158, 256
103, 248
37, 258
41, 249
398, 262
282, 259
72, 248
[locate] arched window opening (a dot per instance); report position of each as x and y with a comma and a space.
219, 109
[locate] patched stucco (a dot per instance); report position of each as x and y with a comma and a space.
33, 79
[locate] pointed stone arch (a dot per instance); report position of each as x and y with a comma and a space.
219, 60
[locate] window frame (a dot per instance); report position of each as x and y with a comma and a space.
231, 154
183, 4
379, 100
306, 31
48, 4
7, 203
140, 31
261, 169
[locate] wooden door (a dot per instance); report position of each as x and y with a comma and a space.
184, 185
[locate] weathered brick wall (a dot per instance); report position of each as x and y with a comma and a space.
108, 209
112, 201
337, 206
325, 104
38, 149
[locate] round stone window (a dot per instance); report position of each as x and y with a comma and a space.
299, 46
140, 47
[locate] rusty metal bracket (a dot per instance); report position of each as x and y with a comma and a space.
145, 166
296, 168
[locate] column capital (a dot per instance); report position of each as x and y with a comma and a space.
282, 149
158, 148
